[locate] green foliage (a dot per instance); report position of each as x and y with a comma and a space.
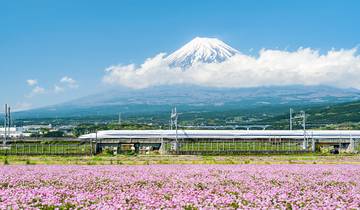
343, 116
35, 135
108, 151
247, 162
234, 205
6, 161
56, 134
190, 207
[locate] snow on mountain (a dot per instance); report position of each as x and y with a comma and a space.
201, 50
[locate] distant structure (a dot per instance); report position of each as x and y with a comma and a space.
291, 119
9, 131
248, 127
227, 127
13, 133
7, 123
174, 121
303, 115
303, 124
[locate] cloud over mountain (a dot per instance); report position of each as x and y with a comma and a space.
305, 66
65, 83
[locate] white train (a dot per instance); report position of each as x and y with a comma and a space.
223, 134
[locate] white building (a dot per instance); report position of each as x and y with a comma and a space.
15, 132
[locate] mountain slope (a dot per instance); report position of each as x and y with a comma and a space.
196, 98
204, 50
332, 116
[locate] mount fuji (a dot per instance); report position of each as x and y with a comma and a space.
201, 50
194, 98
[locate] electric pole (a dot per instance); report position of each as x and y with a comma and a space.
9, 120
303, 114
291, 119
5, 124
119, 122
174, 120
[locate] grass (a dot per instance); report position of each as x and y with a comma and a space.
181, 159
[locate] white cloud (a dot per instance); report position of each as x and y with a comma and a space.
64, 84
153, 72
31, 82
69, 82
58, 89
305, 66
37, 90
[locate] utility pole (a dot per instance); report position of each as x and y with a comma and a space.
304, 120
176, 125
290, 122
5, 124
303, 114
172, 116
96, 143
9, 120
119, 122
174, 120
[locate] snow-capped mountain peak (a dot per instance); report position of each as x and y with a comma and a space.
204, 50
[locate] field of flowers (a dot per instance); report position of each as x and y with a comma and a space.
180, 187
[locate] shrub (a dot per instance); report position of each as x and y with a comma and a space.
6, 161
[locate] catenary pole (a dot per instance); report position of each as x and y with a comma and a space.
5, 124
290, 120
9, 121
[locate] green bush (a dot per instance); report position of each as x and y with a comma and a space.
54, 134
109, 151
6, 161
246, 161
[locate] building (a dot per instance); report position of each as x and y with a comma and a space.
15, 132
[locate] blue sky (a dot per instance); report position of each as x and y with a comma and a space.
68, 44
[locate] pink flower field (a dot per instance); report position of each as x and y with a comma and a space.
180, 187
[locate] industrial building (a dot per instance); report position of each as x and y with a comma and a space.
13, 132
